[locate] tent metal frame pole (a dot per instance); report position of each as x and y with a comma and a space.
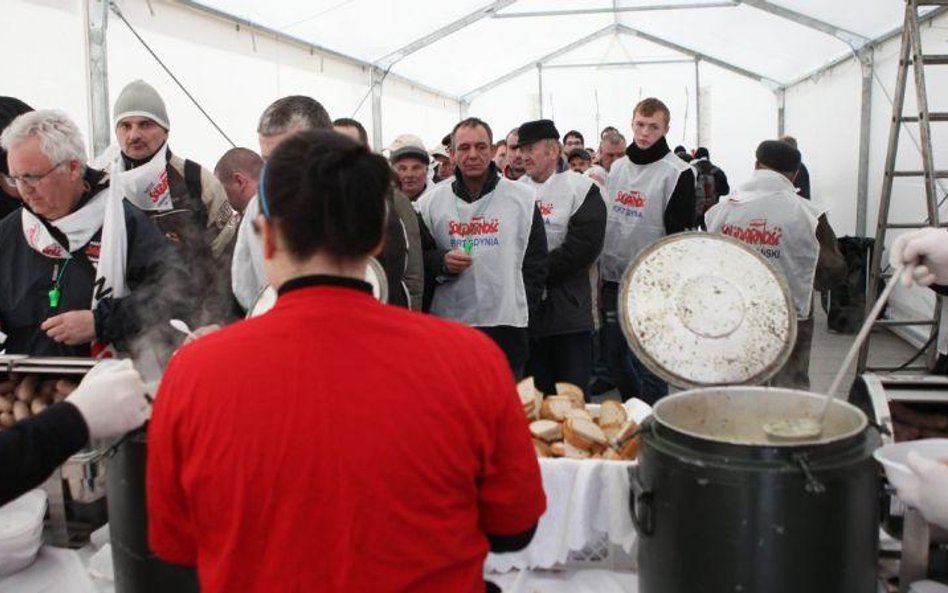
616, 9
867, 63
850, 38
781, 94
540, 88
377, 78
698, 139
388, 60
625, 64
97, 56
468, 96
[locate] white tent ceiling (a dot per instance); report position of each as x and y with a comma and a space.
460, 46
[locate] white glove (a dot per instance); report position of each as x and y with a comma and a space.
111, 399
930, 495
925, 255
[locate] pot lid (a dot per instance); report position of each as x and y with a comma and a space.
703, 309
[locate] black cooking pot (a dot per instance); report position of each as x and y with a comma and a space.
721, 508
137, 569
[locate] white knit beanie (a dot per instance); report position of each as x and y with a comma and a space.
140, 99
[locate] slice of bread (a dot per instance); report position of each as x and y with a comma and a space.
584, 434
546, 430
558, 449
541, 448
573, 392
555, 407
626, 432
576, 413
573, 452
612, 455
526, 390
629, 449
611, 432
612, 413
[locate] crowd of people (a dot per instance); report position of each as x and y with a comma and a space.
523, 239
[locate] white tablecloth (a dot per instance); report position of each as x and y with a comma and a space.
567, 581
54, 571
587, 503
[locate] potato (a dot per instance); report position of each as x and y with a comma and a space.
21, 410
47, 388
65, 387
7, 386
6, 405
26, 390
6, 419
37, 406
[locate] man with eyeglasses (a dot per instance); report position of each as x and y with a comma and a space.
649, 194
10, 108
80, 272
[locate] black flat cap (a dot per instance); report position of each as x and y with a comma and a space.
534, 131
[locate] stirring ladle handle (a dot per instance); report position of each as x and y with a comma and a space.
860, 338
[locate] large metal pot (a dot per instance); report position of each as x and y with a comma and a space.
137, 569
720, 508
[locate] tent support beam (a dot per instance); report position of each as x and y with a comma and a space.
378, 76
623, 64
97, 56
615, 9
926, 18
468, 96
781, 112
491, 9
696, 54
867, 62
848, 37
698, 138
540, 89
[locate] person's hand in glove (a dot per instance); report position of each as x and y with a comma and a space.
930, 495
925, 255
111, 399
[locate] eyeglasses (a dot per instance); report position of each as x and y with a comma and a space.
31, 180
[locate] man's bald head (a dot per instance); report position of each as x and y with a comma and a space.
239, 172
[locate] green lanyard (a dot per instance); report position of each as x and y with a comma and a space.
468, 243
55, 292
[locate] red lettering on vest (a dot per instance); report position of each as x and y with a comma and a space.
93, 249
546, 210
757, 232
478, 226
632, 199
159, 189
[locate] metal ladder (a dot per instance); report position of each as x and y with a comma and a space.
910, 56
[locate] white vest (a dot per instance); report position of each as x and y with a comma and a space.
636, 197
491, 291
558, 198
767, 214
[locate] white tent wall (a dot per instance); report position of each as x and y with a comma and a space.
824, 117
46, 66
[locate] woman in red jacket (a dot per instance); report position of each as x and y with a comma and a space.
336, 443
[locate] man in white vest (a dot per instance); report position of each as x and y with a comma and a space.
484, 246
792, 233
574, 216
650, 193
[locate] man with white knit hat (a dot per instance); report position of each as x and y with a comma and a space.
183, 198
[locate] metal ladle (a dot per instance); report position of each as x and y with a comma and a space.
810, 428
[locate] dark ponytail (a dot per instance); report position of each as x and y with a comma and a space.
327, 193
